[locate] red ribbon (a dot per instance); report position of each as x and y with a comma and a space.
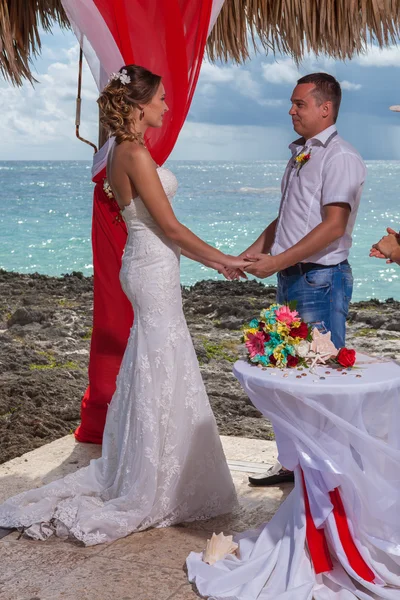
316, 540
354, 557
318, 546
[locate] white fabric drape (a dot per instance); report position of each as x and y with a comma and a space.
95, 39
343, 431
101, 50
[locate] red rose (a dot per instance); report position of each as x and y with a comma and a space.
292, 361
272, 359
300, 332
346, 357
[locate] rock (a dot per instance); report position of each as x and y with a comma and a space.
23, 316
393, 325
45, 346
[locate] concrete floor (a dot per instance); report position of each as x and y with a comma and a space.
142, 566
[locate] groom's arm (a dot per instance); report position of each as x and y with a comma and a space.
263, 243
342, 182
333, 227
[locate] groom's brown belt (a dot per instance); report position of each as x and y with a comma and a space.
301, 268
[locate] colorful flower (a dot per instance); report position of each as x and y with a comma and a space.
303, 348
248, 331
346, 358
285, 315
260, 359
299, 330
292, 361
255, 343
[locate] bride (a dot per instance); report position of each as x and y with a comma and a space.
162, 461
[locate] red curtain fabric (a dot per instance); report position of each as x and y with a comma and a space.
317, 543
168, 37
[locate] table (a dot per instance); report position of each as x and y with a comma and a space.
337, 535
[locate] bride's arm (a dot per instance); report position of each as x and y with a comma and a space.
142, 172
228, 273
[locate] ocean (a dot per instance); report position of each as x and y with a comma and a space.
46, 207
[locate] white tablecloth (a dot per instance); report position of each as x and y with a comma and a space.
342, 428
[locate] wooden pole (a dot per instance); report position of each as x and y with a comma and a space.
79, 102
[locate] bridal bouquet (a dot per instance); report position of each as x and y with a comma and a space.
280, 338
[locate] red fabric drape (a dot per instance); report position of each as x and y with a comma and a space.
168, 37
316, 540
318, 546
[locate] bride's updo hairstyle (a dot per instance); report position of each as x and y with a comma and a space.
132, 88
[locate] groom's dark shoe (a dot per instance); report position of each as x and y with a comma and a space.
268, 478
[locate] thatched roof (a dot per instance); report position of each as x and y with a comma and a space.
339, 28
20, 21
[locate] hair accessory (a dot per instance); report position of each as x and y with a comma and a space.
123, 77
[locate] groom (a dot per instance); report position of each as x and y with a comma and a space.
308, 243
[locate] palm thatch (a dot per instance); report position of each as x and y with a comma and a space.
20, 21
338, 28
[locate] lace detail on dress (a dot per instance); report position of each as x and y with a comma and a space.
162, 461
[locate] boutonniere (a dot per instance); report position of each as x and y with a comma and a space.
302, 159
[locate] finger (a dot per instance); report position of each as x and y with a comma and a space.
391, 231
254, 257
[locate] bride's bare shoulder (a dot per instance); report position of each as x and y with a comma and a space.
135, 154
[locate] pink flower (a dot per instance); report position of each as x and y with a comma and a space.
285, 315
255, 343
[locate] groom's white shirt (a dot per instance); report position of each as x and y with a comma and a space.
334, 173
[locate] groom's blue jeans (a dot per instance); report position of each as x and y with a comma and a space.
323, 297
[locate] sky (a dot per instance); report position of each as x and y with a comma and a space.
238, 112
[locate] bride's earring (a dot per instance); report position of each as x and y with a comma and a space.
141, 114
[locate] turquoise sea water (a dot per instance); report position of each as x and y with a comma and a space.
45, 215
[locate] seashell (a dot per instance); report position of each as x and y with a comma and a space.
322, 343
218, 547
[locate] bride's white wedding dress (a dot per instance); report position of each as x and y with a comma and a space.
162, 461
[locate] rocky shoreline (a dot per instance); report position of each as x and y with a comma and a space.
45, 329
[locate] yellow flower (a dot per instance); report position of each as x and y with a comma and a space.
246, 332
282, 328
278, 354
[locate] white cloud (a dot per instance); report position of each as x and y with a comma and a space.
348, 85
377, 57
39, 122
206, 141
284, 71
213, 74
240, 79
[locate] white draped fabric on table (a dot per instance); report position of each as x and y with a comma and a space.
342, 430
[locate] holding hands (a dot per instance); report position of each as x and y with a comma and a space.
233, 269
388, 247
260, 265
